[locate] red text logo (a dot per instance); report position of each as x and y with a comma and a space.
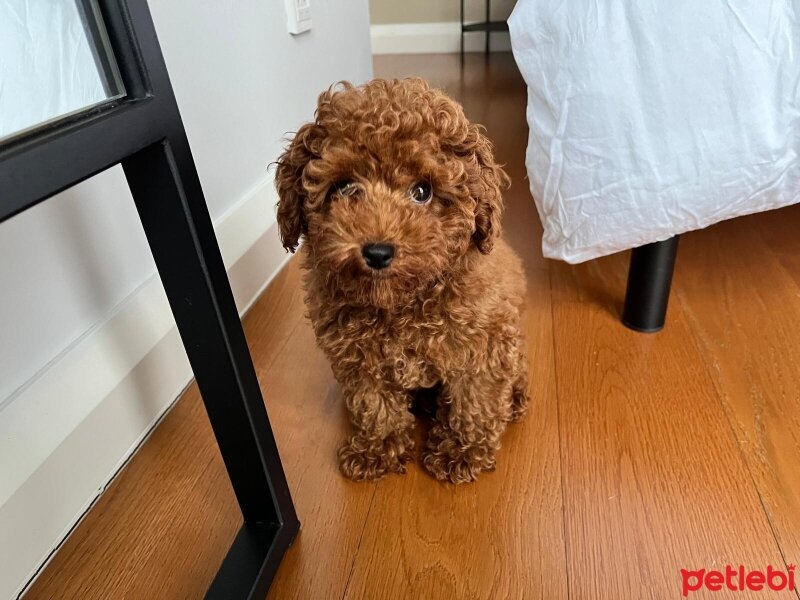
737, 579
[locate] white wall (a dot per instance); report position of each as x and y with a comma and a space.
88, 352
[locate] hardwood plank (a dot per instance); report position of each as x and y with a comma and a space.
307, 410
779, 230
119, 550
653, 478
744, 308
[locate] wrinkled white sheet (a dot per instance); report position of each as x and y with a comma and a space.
652, 118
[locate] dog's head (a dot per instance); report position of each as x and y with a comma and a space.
391, 186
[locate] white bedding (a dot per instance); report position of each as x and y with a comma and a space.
652, 118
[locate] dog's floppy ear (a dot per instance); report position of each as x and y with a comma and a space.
289, 183
486, 191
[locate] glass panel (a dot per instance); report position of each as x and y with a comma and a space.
55, 60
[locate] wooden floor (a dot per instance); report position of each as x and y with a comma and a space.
642, 454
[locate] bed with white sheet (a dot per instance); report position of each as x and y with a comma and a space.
652, 118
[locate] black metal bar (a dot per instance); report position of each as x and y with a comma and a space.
181, 237
251, 563
488, 20
461, 17
168, 195
99, 47
491, 26
649, 281
74, 152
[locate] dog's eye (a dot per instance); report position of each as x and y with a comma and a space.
420, 192
344, 189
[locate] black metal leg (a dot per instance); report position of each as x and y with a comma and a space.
488, 15
461, 18
169, 199
649, 280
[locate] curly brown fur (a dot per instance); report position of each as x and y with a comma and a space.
445, 312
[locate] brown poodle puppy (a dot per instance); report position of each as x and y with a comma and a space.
407, 283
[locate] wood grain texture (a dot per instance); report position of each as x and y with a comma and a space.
164, 525
307, 411
640, 455
654, 480
741, 295
125, 548
779, 231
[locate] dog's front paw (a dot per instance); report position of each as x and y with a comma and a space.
365, 459
447, 460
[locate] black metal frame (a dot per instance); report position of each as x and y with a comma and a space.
487, 26
649, 282
144, 132
98, 44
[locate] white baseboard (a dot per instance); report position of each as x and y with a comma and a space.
65, 433
432, 38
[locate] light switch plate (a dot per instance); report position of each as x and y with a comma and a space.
299, 15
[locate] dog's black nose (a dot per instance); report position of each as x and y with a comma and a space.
378, 256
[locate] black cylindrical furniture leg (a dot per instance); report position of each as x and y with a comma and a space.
649, 280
